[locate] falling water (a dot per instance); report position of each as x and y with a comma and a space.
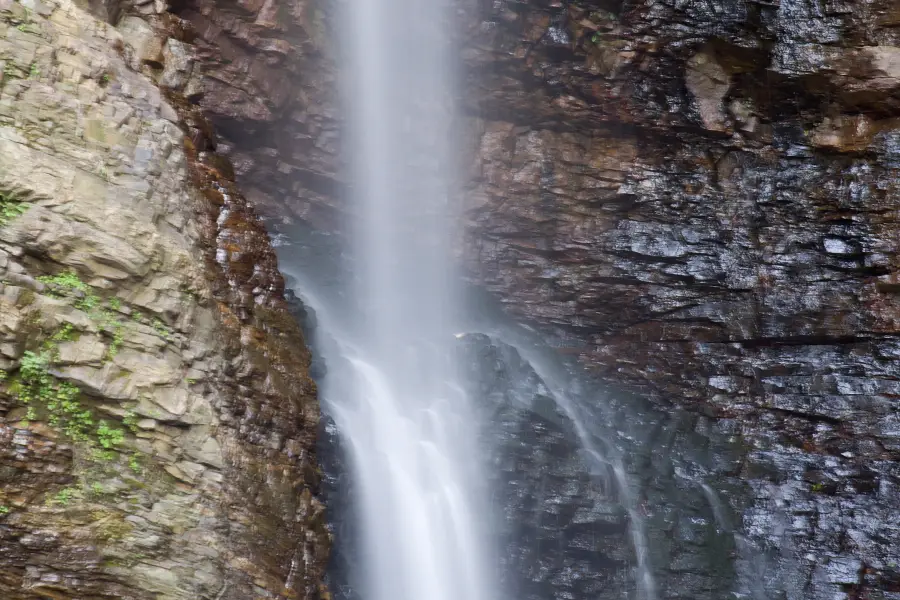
396, 397
601, 453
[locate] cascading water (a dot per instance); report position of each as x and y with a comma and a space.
395, 395
410, 433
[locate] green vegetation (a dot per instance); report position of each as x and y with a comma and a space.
10, 209
63, 497
109, 437
34, 72
58, 398
111, 325
4, 509
36, 387
130, 420
163, 331
100, 442
60, 403
68, 280
68, 283
102, 171
134, 464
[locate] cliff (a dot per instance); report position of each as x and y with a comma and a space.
698, 200
695, 200
156, 417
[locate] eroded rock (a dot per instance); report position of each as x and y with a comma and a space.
131, 454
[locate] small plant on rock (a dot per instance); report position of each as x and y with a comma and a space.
9, 209
67, 280
63, 497
162, 330
70, 284
109, 437
60, 398
134, 464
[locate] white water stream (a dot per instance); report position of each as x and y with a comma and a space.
395, 396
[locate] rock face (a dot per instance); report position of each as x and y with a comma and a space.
157, 422
269, 83
697, 200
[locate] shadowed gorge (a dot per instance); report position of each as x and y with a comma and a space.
600, 299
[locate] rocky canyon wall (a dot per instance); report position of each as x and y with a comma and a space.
695, 199
157, 422
699, 201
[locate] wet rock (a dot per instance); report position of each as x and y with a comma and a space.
178, 65
708, 82
130, 462
694, 200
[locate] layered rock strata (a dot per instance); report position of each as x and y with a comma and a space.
157, 420
699, 202
696, 200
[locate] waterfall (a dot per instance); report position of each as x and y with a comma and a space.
407, 426
393, 386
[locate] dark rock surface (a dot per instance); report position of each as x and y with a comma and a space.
699, 202
696, 200
269, 86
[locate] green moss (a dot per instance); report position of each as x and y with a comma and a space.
113, 527
4, 510
63, 497
10, 209
68, 283
68, 280
163, 331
